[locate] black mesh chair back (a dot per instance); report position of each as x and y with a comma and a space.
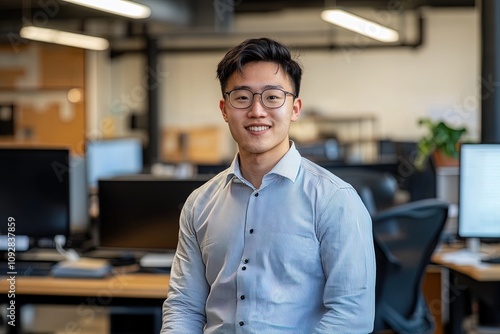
382, 186
405, 237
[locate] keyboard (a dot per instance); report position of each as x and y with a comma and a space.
26, 268
495, 259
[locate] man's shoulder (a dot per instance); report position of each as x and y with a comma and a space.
321, 175
210, 187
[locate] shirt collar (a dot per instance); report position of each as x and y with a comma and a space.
234, 171
287, 167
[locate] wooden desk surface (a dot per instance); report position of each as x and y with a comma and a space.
135, 285
484, 272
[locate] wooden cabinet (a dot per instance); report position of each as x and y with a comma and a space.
196, 145
46, 85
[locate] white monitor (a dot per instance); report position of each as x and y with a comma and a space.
113, 157
479, 191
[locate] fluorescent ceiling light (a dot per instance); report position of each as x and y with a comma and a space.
360, 25
65, 38
120, 7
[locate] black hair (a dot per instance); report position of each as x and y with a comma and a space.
258, 49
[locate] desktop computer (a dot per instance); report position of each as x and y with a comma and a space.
35, 192
107, 158
479, 224
139, 216
479, 194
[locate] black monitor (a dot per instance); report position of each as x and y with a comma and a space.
35, 191
211, 169
479, 191
112, 157
142, 212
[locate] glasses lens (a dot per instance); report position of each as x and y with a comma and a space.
241, 98
273, 98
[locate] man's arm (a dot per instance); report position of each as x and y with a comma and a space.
345, 234
184, 308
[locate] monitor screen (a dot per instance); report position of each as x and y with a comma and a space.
479, 191
211, 169
142, 212
35, 191
112, 157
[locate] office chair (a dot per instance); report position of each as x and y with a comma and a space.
405, 237
377, 189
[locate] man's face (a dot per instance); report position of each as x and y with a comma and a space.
259, 130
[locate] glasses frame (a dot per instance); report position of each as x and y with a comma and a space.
228, 94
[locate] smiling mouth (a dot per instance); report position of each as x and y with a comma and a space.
258, 128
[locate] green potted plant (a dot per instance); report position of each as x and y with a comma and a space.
441, 141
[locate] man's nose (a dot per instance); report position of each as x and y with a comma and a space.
257, 109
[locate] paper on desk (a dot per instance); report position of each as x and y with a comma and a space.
465, 257
84, 267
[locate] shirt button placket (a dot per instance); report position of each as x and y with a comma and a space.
244, 267
242, 296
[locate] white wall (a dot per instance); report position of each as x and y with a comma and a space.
399, 85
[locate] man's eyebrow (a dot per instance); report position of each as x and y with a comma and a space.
265, 87
241, 87
273, 87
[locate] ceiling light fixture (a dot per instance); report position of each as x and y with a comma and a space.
64, 38
120, 7
360, 25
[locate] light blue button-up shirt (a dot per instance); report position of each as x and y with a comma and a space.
295, 256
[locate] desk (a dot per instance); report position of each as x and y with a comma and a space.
483, 281
125, 290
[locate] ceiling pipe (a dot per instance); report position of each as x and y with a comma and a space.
115, 52
169, 11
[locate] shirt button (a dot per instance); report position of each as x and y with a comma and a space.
241, 323
251, 231
242, 297
243, 268
256, 195
246, 260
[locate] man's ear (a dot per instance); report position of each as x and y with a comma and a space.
222, 107
297, 107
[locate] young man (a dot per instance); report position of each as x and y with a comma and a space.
274, 244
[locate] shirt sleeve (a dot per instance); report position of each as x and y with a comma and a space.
344, 230
184, 308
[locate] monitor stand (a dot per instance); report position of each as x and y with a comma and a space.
471, 254
473, 245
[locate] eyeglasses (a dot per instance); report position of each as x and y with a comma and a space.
271, 98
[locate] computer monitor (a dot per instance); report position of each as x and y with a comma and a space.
211, 169
35, 191
479, 191
112, 157
142, 212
